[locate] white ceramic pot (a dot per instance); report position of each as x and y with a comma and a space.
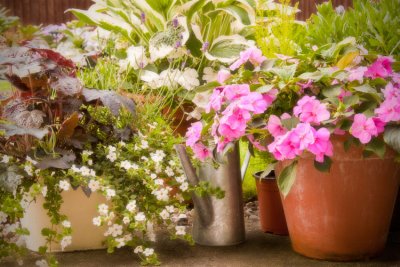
80, 211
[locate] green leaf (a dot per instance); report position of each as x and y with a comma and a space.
392, 137
351, 100
365, 88
287, 177
332, 91
42, 250
265, 88
237, 12
226, 48
323, 166
377, 146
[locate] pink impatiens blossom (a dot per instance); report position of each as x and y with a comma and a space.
389, 110
381, 68
303, 135
201, 151
193, 134
363, 128
343, 94
380, 125
253, 102
275, 127
322, 146
252, 54
391, 92
216, 100
284, 147
223, 75
270, 96
234, 122
357, 74
309, 109
235, 91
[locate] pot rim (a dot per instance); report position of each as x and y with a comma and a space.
271, 176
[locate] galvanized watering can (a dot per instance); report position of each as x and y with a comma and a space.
217, 222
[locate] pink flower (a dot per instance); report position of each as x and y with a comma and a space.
216, 100
253, 102
389, 110
252, 54
235, 91
284, 147
221, 143
363, 128
391, 92
310, 110
233, 123
343, 94
223, 75
306, 85
193, 134
357, 74
381, 68
380, 125
322, 145
201, 151
255, 143
275, 127
303, 135
270, 96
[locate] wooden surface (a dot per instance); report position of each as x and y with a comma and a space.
52, 11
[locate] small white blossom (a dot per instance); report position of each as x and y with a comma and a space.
120, 242
64, 185
44, 191
131, 206
103, 209
138, 249
144, 158
161, 194
90, 162
140, 217
66, 224
111, 156
170, 208
41, 263
184, 186
66, 241
148, 252
180, 230
169, 171
87, 152
3, 217
153, 176
97, 221
128, 237
110, 193
126, 220
5, 159
171, 163
144, 144
159, 181
28, 169
115, 230
164, 214
29, 159
180, 179
94, 185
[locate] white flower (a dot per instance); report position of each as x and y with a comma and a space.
150, 232
87, 152
115, 230
66, 224
169, 171
180, 179
159, 181
29, 159
125, 165
5, 159
97, 221
144, 144
138, 249
64, 185
189, 79
164, 214
41, 263
158, 156
148, 252
161, 194
136, 58
180, 230
111, 156
112, 148
28, 169
44, 191
121, 143
184, 186
140, 217
3, 217
131, 206
202, 99
126, 220
103, 209
94, 185
120, 242
144, 158
209, 75
153, 176
66, 241
171, 163
128, 237
170, 209
110, 193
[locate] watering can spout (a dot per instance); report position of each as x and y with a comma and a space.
202, 204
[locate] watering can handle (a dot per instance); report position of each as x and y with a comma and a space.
245, 164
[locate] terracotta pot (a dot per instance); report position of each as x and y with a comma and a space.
344, 214
395, 227
272, 218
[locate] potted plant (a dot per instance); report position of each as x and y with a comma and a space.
331, 113
270, 210
57, 136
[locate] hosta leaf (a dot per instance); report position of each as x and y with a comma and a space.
67, 85
392, 137
226, 48
110, 99
286, 178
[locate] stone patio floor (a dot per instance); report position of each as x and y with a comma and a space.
260, 249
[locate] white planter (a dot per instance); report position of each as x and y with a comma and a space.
80, 211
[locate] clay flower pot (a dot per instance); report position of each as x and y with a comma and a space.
272, 217
344, 214
395, 227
